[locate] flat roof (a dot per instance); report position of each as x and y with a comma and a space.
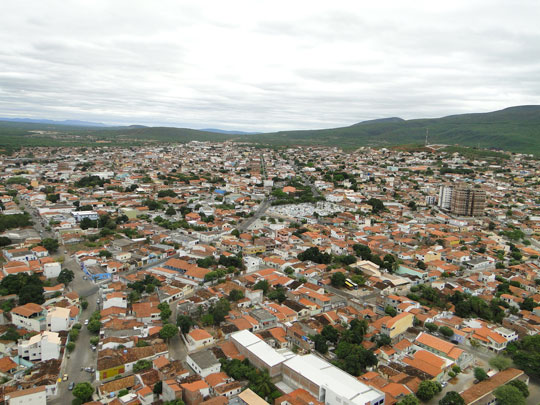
333, 379
258, 347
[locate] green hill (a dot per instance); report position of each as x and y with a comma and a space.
514, 129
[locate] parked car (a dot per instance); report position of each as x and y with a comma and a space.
65, 377
86, 322
71, 386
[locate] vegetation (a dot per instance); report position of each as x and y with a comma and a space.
509, 395
452, 398
480, 374
428, 389
526, 354
168, 331
259, 381
14, 221
500, 362
83, 391
27, 288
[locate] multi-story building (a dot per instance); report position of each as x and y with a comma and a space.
467, 201
41, 347
445, 196
29, 316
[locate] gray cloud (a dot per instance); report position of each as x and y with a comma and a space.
265, 65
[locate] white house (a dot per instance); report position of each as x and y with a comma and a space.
52, 270
115, 299
40, 347
29, 316
198, 338
58, 319
203, 363
34, 396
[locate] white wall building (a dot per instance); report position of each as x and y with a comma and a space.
33, 396
41, 347
58, 319
52, 270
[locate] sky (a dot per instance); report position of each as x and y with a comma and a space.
263, 65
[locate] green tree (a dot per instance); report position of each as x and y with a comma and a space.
5, 241
409, 400
320, 344
94, 326
70, 347
390, 310
338, 279
428, 389
330, 333
452, 398
50, 244
142, 365
220, 310
158, 388
168, 331
480, 374
184, 323
262, 285
520, 385
66, 276
170, 211
84, 304
166, 311
446, 331
500, 362
236, 295
509, 395
83, 391
383, 340
431, 327
526, 355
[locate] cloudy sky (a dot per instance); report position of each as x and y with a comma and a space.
265, 65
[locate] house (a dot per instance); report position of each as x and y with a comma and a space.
198, 338
41, 347
115, 299
398, 324
444, 349
29, 316
482, 393
203, 363
58, 319
7, 366
52, 270
171, 391
34, 396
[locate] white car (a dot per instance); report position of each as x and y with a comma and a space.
86, 322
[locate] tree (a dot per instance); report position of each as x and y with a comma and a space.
170, 211
50, 244
32, 293
428, 389
446, 331
526, 355
236, 295
168, 331
520, 385
480, 374
330, 333
83, 391
66, 276
262, 285
409, 400
220, 310
338, 279
94, 326
390, 310
383, 340
509, 395
142, 365
376, 205
500, 362
84, 304
166, 311
207, 319
431, 327
70, 347
158, 388
320, 344
452, 398
5, 241
184, 323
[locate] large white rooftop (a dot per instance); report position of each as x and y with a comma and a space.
258, 347
334, 379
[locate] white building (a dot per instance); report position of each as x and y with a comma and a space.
80, 215
58, 319
40, 347
52, 270
115, 299
445, 197
29, 316
203, 363
34, 396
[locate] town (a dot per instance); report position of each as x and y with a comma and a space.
229, 273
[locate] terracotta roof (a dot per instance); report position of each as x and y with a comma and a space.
199, 334
485, 387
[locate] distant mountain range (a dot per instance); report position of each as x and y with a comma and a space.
513, 129
72, 123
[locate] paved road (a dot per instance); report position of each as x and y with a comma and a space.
258, 214
37, 220
82, 356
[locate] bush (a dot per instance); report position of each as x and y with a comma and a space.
480, 374
70, 347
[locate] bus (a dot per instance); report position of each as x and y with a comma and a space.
351, 285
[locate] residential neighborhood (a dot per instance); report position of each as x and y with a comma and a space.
224, 273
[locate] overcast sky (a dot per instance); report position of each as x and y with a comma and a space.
265, 65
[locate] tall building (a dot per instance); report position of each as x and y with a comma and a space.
466, 201
445, 196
